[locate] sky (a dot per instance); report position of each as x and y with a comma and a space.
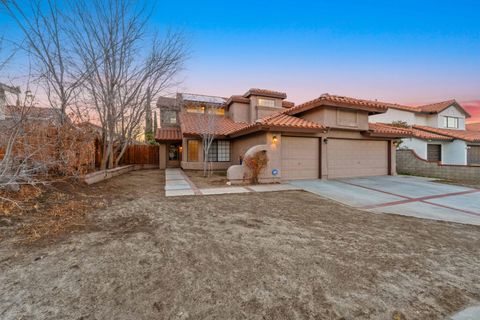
409, 52
399, 51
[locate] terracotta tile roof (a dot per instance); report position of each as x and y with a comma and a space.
196, 124
265, 93
280, 121
383, 128
426, 135
467, 135
283, 120
436, 107
402, 107
386, 128
473, 126
430, 108
168, 134
287, 104
342, 102
166, 102
238, 99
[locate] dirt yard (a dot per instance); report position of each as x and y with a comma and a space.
213, 180
291, 255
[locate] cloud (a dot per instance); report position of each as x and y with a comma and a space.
472, 107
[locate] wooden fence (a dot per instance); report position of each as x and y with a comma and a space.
141, 154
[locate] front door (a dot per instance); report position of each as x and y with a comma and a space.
434, 152
174, 154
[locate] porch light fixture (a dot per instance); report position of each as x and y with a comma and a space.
325, 140
180, 148
274, 139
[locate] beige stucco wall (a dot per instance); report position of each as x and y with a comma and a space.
162, 153
240, 145
338, 118
239, 112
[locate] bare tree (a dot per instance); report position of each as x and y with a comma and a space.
45, 40
208, 131
121, 76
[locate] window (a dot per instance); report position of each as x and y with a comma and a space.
192, 146
450, 122
195, 109
170, 117
266, 102
219, 111
219, 151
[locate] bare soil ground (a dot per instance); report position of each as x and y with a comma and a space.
214, 180
288, 255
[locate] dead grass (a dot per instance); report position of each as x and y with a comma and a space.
215, 179
287, 255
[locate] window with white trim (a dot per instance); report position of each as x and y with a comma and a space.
262, 102
450, 122
219, 151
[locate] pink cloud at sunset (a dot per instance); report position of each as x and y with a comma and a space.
472, 107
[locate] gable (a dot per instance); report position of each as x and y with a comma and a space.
453, 111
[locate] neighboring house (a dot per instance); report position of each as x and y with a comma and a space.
437, 131
473, 126
328, 137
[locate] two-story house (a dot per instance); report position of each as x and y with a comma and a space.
438, 131
328, 137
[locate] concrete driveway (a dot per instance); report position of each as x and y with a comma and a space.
404, 195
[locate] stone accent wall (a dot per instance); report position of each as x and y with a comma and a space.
408, 162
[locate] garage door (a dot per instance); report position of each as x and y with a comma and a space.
300, 158
356, 158
473, 155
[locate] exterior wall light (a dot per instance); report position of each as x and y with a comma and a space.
274, 139
325, 140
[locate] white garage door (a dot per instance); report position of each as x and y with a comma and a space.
300, 158
356, 158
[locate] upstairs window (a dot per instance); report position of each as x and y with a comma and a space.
170, 117
219, 111
450, 122
262, 102
195, 109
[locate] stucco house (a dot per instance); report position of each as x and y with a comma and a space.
328, 137
437, 131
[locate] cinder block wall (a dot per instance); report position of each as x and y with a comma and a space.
409, 163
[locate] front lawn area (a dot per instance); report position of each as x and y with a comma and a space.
135, 254
213, 179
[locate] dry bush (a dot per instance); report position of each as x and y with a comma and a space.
256, 165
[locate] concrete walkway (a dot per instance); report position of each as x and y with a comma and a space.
472, 313
178, 184
403, 195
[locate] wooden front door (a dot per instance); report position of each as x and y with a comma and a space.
434, 152
174, 154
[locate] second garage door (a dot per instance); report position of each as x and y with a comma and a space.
300, 158
356, 158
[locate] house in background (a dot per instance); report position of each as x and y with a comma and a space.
437, 131
328, 137
473, 126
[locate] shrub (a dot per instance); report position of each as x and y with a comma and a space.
256, 164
